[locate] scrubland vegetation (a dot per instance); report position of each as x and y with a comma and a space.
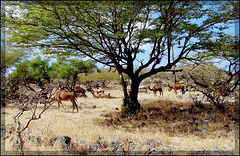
169, 123
186, 50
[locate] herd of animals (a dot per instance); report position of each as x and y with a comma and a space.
65, 95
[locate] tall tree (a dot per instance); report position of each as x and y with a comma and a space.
70, 69
114, 32
39, 70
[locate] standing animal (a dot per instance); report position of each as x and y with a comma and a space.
155, 89
79, 90
176, 87
63, 95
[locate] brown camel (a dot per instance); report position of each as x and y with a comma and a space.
64, 95
176, 87
79, 90
100, 95
155, 89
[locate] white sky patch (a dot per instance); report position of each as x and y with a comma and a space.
221, 63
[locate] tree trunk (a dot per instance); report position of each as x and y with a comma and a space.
73, 84
130, 105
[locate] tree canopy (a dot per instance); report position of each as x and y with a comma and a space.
114, 32
69, 70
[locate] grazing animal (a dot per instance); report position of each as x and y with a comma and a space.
64, 95
155, 89
176, 87
100, 95
79, 90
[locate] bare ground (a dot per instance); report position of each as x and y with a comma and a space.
166, 123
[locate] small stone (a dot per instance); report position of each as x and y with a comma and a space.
65, 140
51, 141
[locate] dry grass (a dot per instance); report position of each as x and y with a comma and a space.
166, 120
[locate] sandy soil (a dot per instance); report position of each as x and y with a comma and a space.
84, 125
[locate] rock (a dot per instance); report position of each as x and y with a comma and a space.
16, 144
115, 145
210, 152
65, 140
35, 139
131, 145
120, 151
151, 143
51, 141
167, 151
154, 151
93, 147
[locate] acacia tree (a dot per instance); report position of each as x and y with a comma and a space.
34, 71
224, 49
114, 32
69, 70
224, 80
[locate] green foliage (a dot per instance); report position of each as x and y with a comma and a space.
66, 69
209, 79
71, 29
11, 57
207, 73
100, 76
114, 32
69, 70
39, 68
159, 83
61, 69
22, 70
